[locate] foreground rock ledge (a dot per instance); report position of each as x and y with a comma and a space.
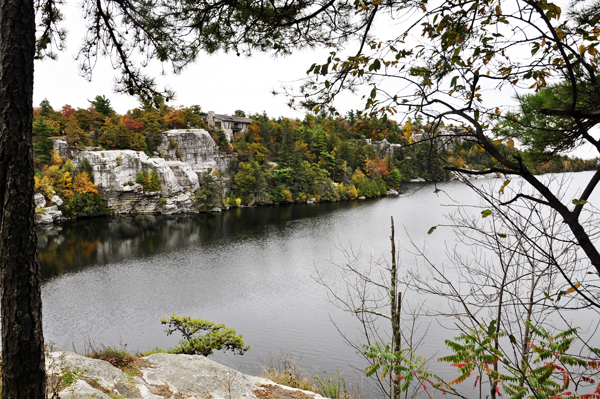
165, 376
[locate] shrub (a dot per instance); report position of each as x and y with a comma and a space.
162, 202
202, 337
119, 358
210, 193
85, 205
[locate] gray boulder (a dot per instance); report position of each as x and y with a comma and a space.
162, 376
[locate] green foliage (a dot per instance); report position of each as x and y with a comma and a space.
404, 365
162, 202
210, 193
150, 181
202, 337
332, 387
548, 374
42, 142
85, 205
102, 105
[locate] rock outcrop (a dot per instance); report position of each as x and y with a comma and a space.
183, 155
115, 175
195, 147
162, 376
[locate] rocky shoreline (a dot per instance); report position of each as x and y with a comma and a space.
161, 376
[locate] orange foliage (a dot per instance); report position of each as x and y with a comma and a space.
83, 185
376, 168
254, 131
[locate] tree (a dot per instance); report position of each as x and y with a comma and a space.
23, 371
202, 337
102, 105
467, 49
42, 143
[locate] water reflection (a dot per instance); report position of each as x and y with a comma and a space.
90, 242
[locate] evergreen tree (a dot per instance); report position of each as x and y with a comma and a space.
42, 142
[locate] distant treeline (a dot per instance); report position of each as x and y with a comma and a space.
283, 160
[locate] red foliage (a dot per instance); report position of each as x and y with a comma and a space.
133, 125
67, 111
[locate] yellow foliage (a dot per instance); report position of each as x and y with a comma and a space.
83, 185
43, 186
55, 158
352, 192
66, 181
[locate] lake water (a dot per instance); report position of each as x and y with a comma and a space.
109, 281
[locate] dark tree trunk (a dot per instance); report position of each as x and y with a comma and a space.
23, 373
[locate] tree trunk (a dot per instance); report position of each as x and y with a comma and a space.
23, 372
396, 303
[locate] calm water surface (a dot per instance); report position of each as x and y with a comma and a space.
110, 281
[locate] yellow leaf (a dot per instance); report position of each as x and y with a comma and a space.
572, 289
582, 49
496, 142
592, 51
423, 7
596, 32
510, 143
376, 2
560, 33
407, 130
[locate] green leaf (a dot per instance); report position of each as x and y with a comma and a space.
431, 230
501, 235
486, 213
548, 297
579, 202
437, 190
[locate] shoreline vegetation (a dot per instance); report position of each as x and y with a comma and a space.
319, 158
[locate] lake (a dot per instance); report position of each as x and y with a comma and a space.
109, 281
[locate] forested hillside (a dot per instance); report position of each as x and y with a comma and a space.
278, 160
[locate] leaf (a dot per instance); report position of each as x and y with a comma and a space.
376, 2
496, 142
506, 182
579, 202
560, 33
437, 190
486, 213
431, 230
548, 297
510, 143
501, 235
572, 289
407, 129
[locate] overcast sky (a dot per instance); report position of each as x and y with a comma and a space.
222, 82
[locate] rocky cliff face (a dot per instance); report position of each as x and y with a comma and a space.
194, 147
185, 153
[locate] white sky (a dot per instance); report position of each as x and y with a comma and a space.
222, 82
